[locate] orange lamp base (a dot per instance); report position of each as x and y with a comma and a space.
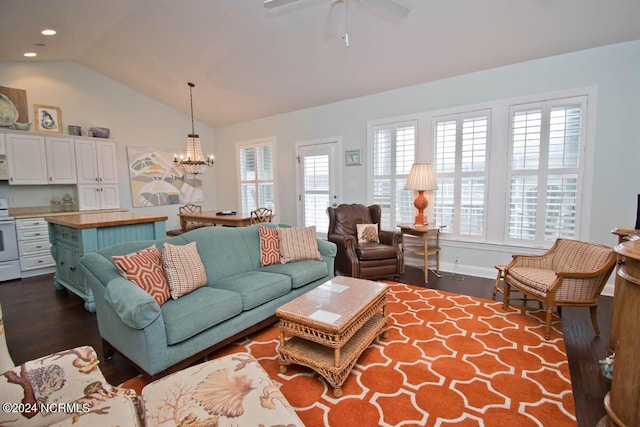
421, 203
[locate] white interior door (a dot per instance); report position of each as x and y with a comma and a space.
318, 178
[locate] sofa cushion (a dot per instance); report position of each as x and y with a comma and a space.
144, 268
536, 278
225, 252
269, 246
198, 311
301, 272
298, 243
255, 287
183, 268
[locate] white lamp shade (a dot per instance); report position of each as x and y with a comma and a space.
421, 178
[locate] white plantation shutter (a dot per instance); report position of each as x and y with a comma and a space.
316, 191
257, 186
394, 148
545, 174
460, 160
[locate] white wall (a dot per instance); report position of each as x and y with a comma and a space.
88, 99
613, 70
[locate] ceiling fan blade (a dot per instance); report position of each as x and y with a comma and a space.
390, 6
272, 4
335, 19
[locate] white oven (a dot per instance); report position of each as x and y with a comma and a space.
9, 263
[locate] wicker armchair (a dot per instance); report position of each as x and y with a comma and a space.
570, 273
364, 260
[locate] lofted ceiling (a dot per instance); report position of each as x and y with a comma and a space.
248, 63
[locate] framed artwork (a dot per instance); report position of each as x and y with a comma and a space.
352, 157
13, 104
157, 181
48, 118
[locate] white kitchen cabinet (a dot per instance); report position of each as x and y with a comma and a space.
98, 196
61, 160
97, 175
34, 247
96, 162
26, 159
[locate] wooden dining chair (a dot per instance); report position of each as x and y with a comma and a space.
190, 225
261, 215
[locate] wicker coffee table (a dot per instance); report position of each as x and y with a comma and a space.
330, 326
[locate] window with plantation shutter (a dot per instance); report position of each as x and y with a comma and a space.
316, 191
394, 152
257, 183
460, 164
545, 170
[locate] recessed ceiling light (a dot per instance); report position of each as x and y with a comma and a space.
48, 32
30, 54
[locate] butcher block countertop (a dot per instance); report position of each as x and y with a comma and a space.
102, 219
42, 211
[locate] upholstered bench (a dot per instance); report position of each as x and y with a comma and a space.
232, 390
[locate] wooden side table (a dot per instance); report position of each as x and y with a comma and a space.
425, 232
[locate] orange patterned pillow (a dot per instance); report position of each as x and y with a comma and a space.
269, 246
144, 268
183, 268
298, 243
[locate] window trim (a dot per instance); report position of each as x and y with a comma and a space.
257, 143
415, 120
459, 174
499, 130
543, 171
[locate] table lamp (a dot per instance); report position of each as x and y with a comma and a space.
421, 179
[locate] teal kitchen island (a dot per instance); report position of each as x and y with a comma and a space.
73, 236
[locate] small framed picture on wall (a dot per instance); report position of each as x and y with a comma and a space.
48, 118
353, 157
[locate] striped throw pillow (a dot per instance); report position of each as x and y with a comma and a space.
298, 243
183, 268
144, 268
269, 246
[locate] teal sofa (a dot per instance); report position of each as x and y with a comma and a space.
240, 297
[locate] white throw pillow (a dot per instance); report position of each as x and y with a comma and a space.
183, 267
367, 233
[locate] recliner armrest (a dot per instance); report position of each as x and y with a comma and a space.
343, 240
392, 238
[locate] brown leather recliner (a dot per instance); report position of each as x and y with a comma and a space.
364, 260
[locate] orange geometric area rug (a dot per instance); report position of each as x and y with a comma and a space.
449, 360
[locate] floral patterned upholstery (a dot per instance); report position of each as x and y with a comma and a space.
64, 388
5, 357
232, 390
571, 272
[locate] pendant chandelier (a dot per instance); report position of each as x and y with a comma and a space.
193, 161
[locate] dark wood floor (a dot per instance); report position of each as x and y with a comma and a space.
40, 320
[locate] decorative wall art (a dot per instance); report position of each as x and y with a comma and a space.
48, 118
157, 181
14, 113
352, 157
